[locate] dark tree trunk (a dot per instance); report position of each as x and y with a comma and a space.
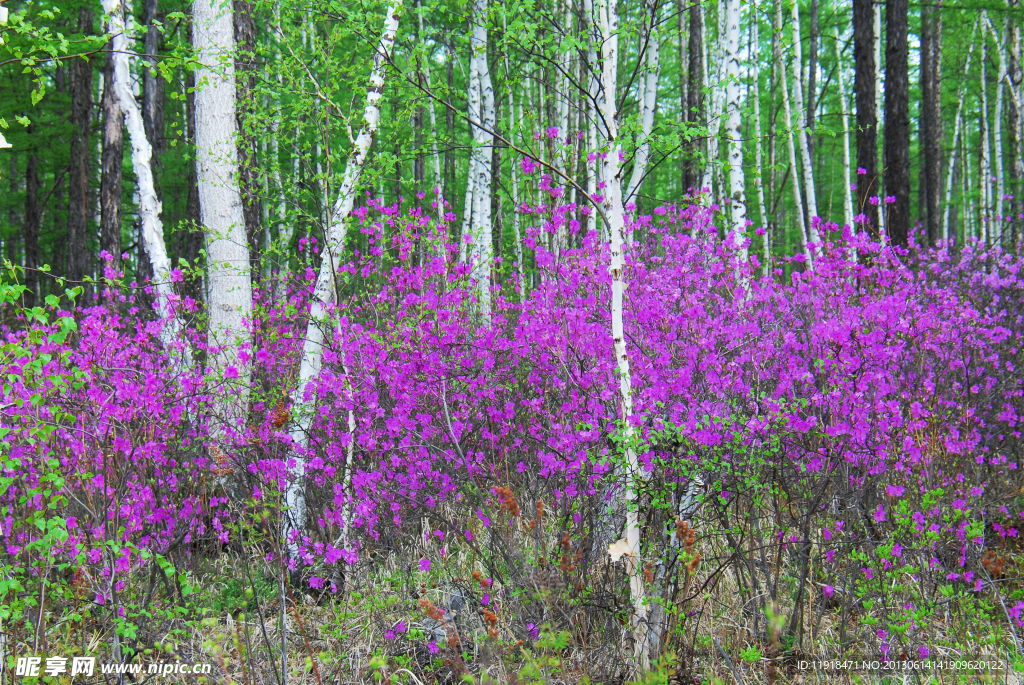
812, 78
153, 89
931, 90
78, 167
245, 88
897, 122
33, 217
190, 241
923, 123
864, 92
695, 96
112, 162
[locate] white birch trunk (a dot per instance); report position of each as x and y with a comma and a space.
737, 181
594, 107
787, 120
801, 118
713, 171
609, 40
608, 21
142, 153
844, 104
481, 115
325, 294
958, 124
647, 105
220, 203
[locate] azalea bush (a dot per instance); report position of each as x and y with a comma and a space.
829, 460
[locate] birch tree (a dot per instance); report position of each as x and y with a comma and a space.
229, 293
787, 120
481, 112
149, 205
737, 181
325, 293
607, 21
755, 94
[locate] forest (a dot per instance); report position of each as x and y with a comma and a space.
519, 341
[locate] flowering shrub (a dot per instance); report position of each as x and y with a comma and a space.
838, 443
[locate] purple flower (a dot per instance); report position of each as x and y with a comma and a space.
424, 565
890, 199
861, 171
528, 166
828, 591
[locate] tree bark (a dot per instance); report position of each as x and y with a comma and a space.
897, 122
695, 96
153, 87
812, 77
802, 132
481, 112
112, 162
864, 92
78, 172
755, 94
931, 120
1014, 122
33, 218
152, 232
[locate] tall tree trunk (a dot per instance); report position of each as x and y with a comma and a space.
997, 125
220, 202
695, 94
481, 114
650, 98
438, 189
812, 77
325, 293
608, 22
78, 173
244, 21
112, 161
192, 238
153, 87
33, 219
985, 158
897, 122
803, 133
712, 169
787, 120
844, 104
931, 100
733, 92
864, 92
152, 232
879, 182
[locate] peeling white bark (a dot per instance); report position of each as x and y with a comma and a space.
608, 22
325, 294
142, 153
438, 193
879, 119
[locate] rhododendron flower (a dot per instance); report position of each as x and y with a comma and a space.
424, 565
861, 171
